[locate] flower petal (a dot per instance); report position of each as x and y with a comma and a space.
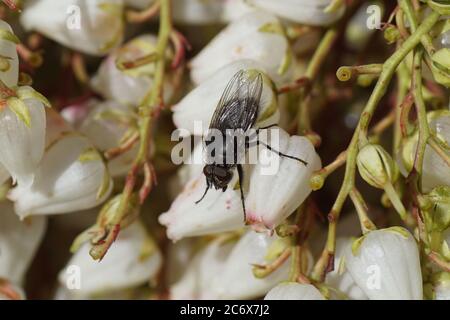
126, 265
10, 74
385, 265
236, 281
68, 180
23, 144
301, 11
94, 27
19, 241
256, 36
294, 291
278, 185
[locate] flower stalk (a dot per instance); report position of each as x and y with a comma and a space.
148, 111
326, 261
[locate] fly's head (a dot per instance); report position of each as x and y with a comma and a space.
217, 176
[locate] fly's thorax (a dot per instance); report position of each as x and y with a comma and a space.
227, 147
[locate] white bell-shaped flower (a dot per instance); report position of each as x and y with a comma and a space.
385, 264
311, 12
198, 106
278, 185
4, 174
340, 279
196, 281
258, 36
57, 126
217, 212
133, 260
179, 255
22, 133
202, 12
222, 211
19, 241
91, 26
435, 171
75, 114
105, 125
9, 71
294, 291
71, 177
236, 281
128, 86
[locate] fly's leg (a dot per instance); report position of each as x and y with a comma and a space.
258, 142
241, 181
206, 191
267, 127
280, 153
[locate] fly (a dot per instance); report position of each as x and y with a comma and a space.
237, 110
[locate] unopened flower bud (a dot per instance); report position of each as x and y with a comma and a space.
442, 7
441, 282
441, 66
376, 166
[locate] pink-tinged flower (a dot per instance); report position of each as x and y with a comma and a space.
10, 291
385, 265
217, 212
133, 260
222, 211
294, 291
257, 36
92, 26
19, 241
273, 196
71, 177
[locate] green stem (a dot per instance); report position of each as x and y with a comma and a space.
424, 130
409, 11
345, 73
325, 45
395, 200
361, 209
402, 91
150, 106
325, 263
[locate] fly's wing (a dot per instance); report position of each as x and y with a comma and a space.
238, 106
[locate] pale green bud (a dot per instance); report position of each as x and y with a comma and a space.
376, 166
